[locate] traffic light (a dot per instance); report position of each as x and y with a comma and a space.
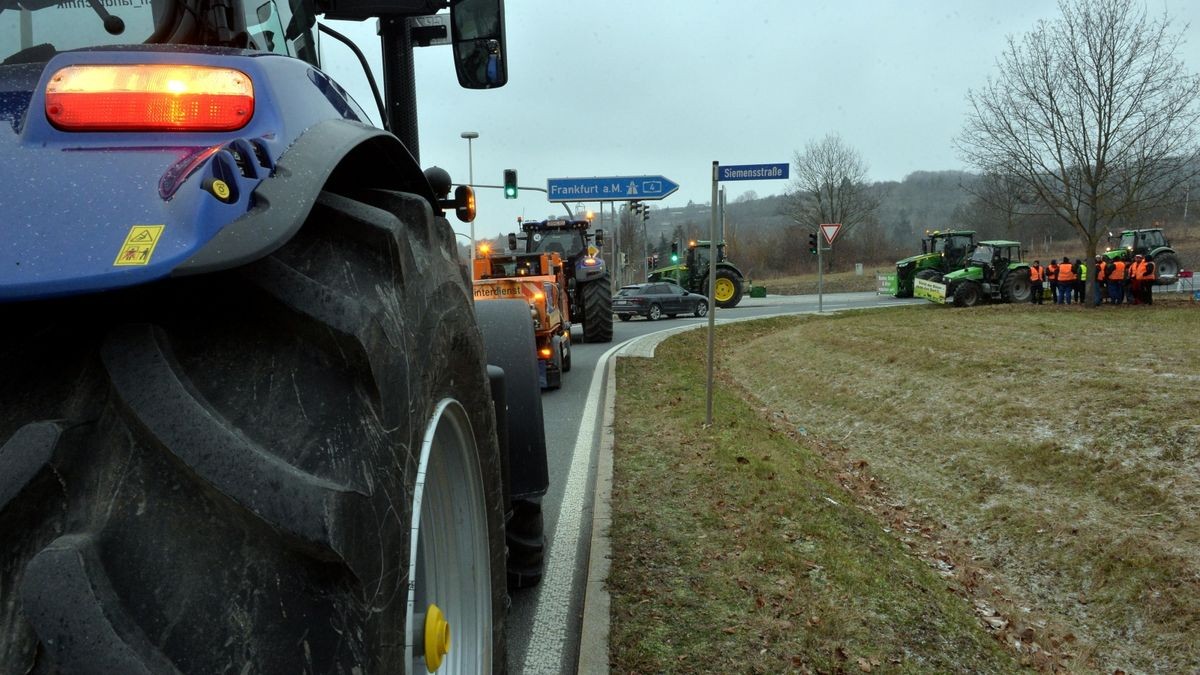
510, 183
645, 213
674, 252
812, 243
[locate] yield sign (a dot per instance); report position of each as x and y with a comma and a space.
830, 230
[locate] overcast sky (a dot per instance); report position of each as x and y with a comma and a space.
621, 88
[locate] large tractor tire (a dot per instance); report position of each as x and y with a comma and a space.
728, 291
904, 287
508, 335
1167, 265
1016, 286
597, 310
967, 294
277, 469
928, 274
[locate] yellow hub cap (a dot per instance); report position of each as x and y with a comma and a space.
437, 638
724, 290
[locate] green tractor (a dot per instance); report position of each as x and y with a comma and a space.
993, 271
1152, 244
692, 275
941, 252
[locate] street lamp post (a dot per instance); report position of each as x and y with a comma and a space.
470, 136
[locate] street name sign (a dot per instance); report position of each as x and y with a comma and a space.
830, 230
609, 189
752, 171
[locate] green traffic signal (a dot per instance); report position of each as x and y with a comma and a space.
510, 183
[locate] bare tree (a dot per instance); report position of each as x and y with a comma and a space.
1091, 114
1006, 199
830, 186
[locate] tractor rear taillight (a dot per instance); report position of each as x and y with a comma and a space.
149, 97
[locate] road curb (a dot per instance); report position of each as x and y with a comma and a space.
593, 642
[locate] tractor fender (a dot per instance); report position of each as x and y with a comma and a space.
1160, 250
340, 151
724, 265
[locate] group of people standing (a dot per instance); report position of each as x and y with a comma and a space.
1118, 280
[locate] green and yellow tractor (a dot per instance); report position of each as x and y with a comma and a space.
692, 274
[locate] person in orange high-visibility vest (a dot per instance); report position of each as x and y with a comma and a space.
1116, 281
1098, 290
1066, 281
1036, 274
1145, 275
1052, 278
1135, 279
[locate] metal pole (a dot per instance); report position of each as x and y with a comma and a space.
714, 244
645, 250
820, 274
712, 304
471, 136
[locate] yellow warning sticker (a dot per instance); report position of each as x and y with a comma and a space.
139, 245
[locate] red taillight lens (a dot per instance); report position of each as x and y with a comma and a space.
149, 97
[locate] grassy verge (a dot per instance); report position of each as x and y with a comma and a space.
869, 472
735, 549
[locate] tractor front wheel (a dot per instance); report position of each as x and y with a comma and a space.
928, 274
966, 294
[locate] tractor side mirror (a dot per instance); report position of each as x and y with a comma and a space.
599, 238
512, 241
477, 33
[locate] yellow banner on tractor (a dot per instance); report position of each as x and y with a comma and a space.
930, 290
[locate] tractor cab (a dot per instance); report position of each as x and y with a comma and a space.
700, 254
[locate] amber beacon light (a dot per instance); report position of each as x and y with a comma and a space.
149, 97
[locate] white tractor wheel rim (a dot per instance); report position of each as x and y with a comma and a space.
450, 560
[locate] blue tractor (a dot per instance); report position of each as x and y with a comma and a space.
250, 419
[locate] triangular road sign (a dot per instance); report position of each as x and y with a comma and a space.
831, 231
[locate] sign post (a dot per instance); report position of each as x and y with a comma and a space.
726, 173
830, 232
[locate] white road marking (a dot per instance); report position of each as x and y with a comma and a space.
549, 638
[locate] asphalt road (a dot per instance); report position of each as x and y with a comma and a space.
544, 622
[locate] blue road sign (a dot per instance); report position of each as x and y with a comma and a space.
752, 171
610, 189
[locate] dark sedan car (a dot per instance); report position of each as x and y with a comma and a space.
658, 299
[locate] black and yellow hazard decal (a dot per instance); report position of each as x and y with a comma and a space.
139, 245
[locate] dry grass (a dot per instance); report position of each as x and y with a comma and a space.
735, 549
1056, 449
835, 282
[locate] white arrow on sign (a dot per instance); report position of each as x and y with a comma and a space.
831, 231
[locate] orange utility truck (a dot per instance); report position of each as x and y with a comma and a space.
536, 278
